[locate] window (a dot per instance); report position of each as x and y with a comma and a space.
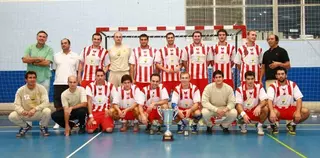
289, 21
313, 21
259, 19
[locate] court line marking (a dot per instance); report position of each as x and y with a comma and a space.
83, 145
287, 146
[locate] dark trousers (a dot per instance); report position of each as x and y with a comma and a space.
76, 114
57, 90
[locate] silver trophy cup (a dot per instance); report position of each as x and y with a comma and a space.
167, 116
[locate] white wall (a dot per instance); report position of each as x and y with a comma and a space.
77, 20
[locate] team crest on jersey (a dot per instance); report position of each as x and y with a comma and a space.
185, 95
251, 51
128, 95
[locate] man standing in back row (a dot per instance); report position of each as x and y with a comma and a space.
168, 61
142, 62
92, 58
118, 60
196, 58
223, 54
249, 57
39, 56
273, 59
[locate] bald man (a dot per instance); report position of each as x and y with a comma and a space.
118, 60
74, 103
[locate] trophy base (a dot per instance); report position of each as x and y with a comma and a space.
167, 138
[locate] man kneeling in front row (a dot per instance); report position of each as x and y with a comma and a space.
31, 104
218, 101
130, 97
251, 103
74, 103
186, 97
285, 102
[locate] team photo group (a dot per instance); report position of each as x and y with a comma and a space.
145, 80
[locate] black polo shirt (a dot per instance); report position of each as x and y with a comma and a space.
277, 54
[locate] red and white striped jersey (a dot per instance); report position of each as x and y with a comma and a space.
102, 95
223, 57
249, 98
250, 59
143, 59
185, 98
197, 58
92, 60
284, 96
169, 58
128, 97
154, 95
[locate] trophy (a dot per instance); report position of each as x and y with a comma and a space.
167, 116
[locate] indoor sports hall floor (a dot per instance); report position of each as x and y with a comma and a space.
129, 145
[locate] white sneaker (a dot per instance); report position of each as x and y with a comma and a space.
260, 130
243, 128
56, 126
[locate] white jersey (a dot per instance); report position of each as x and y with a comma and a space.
143, 59
92, 59
284, 96
223, 57
102, 95
169, 58
65, 65
129, 97
197, 58
249, 98
155, 95
249, 58
185, 98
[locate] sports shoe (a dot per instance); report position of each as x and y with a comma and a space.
194, 129
243, 128
124, 127
44, 131
23, 131
209, 130
291, 128
225, 130
56, 126
147, 130
275, 129
158, 130
260, 130
136, 127
82, 129
180, 129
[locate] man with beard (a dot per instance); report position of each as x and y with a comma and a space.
285, 102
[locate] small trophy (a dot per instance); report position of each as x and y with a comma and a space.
167, 116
